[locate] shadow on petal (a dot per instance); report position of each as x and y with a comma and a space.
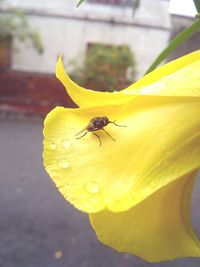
157, 229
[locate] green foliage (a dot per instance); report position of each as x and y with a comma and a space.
105, 67
174, 43
14, 23
111, 55
197, 5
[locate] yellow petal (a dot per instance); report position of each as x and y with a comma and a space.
177, 78
160, 143
157, 229
84, 97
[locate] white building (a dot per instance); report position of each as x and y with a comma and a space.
66, 29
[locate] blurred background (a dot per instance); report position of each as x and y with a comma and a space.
106, 45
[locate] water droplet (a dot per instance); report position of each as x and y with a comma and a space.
68, 186
87, 206
66, 144
107, 200
52, 145
93, 200
92, 187
63, 163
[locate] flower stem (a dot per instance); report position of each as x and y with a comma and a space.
175, 42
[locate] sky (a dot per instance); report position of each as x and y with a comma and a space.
182, 7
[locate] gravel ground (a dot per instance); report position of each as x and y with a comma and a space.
38, 228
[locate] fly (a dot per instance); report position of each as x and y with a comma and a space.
95, 124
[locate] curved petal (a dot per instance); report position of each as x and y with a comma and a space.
85, 97
161, 141
157, 229
179, 77
176, 78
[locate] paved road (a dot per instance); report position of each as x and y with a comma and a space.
37, 227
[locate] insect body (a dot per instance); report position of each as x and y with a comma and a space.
95, 124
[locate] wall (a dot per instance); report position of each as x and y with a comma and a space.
27, 79
27, 92
179, 23
67, 30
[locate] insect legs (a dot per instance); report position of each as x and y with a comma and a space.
96, 136
95, 124
81, 135
108, 134
117, 124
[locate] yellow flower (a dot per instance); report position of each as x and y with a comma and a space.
136, 189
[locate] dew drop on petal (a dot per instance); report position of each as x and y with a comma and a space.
93, 200
107, 200
63, 163
66, 144
68, 186
87, 206
52, 145
92, 187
